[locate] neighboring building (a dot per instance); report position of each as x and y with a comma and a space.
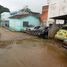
58, 10
57, 15
44, 15
23, 19
5, 19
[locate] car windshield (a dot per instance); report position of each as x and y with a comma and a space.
37, 27
64, 28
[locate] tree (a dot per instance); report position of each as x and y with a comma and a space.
3, 9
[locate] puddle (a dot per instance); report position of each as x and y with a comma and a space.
32, 52
4, 44
30, 43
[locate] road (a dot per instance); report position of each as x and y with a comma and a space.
5, 34
22, 50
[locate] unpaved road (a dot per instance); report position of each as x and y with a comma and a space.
28, 51
5, 34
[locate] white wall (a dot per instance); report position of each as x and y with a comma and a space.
57, 8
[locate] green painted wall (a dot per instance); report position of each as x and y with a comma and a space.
17, 24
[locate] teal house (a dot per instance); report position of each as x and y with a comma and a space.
23, 19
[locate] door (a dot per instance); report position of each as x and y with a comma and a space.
25, 24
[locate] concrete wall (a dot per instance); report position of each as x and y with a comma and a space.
17, 24
57, 8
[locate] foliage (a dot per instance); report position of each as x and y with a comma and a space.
3, 9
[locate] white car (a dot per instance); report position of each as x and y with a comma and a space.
29, 28
33, 28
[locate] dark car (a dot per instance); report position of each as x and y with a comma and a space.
37, 27
41, 32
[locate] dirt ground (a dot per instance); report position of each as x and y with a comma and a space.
18, 49
5, 34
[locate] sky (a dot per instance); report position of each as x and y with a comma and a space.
14, 5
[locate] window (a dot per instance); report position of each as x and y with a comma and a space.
25, 24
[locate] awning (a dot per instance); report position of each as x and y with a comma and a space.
63, 17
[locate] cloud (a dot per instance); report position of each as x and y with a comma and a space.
14, 5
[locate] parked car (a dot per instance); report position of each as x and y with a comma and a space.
38, 31
30, 28
62, 33
43, 32
37, 27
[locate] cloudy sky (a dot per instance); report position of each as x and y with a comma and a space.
13, 5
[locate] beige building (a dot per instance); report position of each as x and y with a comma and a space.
58, 10
57, 15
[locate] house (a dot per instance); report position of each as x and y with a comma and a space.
44, 15
22, 19
5, 19
57, 14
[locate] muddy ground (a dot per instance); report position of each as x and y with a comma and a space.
23, 50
